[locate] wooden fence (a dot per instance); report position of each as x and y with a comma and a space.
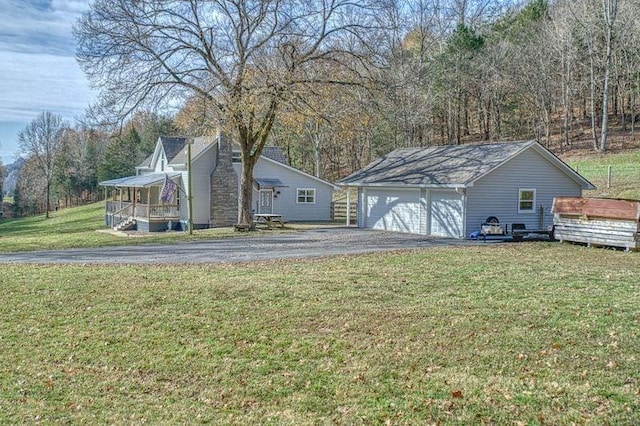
339, 212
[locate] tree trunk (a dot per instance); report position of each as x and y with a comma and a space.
245, 197
46, 200
592, 93
610, 11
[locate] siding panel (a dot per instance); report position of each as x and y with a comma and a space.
497, 193
285, 203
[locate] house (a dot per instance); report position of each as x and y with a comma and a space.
156, 197
450, 191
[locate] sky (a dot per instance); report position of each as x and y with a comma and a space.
38, 70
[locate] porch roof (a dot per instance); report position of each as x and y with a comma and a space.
139, 181
266, 183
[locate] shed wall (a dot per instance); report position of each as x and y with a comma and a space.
496, 194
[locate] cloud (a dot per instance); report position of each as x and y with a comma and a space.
38, 70
41, 82
39, 26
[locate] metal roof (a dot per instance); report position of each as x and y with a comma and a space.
139, 181
269, 183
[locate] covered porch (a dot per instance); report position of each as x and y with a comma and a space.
148, 202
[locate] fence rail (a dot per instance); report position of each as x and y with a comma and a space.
339, 212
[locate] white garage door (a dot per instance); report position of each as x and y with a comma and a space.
446, 214
393, 210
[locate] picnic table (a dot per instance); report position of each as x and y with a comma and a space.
269, 219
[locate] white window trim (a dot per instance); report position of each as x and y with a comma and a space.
315, 193
520, 200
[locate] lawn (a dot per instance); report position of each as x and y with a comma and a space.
625, 174
527, 333
78, 227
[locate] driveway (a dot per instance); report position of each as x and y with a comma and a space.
305, 244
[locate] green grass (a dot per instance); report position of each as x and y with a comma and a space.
625, 180
526, 333
77, 227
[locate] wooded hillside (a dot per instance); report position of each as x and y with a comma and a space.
401, 74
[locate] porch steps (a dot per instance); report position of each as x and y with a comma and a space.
126, 225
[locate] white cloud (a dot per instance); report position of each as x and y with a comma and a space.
39, 71
39, 26
41, 82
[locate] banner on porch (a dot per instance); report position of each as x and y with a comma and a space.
168, 187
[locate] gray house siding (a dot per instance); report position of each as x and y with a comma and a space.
285, 201
496, 194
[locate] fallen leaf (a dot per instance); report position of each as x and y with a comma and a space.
456, 394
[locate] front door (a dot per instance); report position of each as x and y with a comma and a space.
265, 201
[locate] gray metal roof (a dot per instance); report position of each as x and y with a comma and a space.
269, 183
139, 181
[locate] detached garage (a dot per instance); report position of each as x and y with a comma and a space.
393, 210
449, 191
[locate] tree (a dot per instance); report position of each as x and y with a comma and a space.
40, 140
246, 58
123, 154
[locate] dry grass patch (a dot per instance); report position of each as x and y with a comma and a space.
531, 333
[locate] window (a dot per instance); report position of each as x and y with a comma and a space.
526, 200
236, 157
306, 195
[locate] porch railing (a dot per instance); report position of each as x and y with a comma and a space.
121, 210
125, 212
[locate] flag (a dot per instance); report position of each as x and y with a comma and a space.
168, 187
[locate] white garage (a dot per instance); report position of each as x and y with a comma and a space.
393, 210
450, 191
446, 214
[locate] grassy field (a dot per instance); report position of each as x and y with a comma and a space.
77, 227
531, 333
625, 174
526, 333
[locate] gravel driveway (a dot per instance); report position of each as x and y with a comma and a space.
317, 242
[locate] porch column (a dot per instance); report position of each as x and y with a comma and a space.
149, 204
348, 206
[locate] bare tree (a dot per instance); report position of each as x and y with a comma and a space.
610, 13
247, 58
40, 140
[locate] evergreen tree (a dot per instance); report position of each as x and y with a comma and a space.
123, 155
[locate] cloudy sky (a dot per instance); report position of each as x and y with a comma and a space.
38, 70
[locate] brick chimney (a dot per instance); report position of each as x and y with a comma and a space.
224, 186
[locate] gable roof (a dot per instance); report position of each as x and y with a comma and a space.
448, 166
175, 150
275, 153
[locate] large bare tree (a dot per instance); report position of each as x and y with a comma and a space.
247, 58
40, 141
